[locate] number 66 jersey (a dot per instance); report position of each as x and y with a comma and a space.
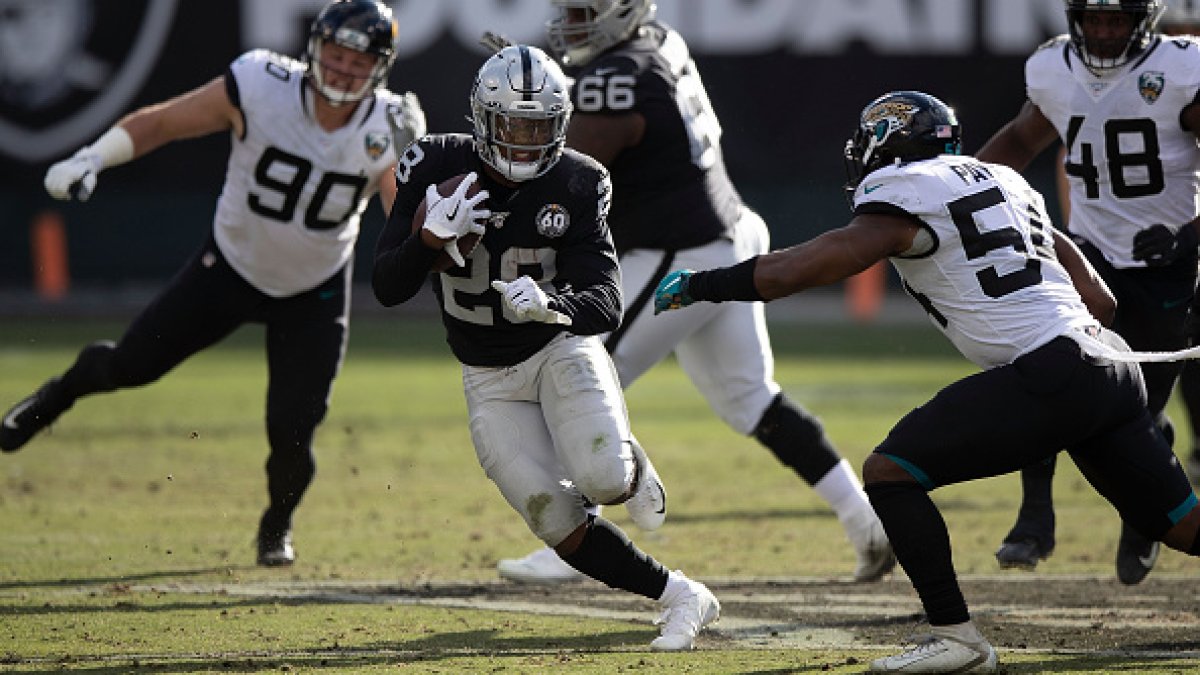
288, 215
983, 266
1130, 163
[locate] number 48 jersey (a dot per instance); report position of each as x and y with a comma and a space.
983, 266
289, 211
1130, 163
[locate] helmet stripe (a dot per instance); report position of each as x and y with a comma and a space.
526, 74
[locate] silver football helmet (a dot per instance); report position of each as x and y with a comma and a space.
1181, 16
520, 106
1145, 14
585, 28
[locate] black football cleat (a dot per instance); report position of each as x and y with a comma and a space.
1136, 556
32, 414
275, 549
1022, 554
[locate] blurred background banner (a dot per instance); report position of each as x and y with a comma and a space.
786, 77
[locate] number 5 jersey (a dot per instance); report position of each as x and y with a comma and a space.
289, 211
1130, 163
983, 266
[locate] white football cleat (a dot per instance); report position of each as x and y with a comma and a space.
950, 649
648, 505
688, 606
871, 545
543, 566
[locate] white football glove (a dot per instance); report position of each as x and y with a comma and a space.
525, 299
74, 177
407, 121
449, 218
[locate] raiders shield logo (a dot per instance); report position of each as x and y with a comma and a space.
62, 80
552, 221
1150, 85
376, 144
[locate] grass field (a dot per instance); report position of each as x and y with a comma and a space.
126, 531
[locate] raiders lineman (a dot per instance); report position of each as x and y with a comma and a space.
642, 110
311, 142
1121, 98
522, 313
974, 246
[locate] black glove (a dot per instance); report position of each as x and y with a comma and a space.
1158, 246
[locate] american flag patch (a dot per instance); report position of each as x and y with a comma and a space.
943, 131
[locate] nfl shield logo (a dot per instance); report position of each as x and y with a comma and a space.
1150, 85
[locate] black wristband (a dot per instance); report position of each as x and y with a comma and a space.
726, 283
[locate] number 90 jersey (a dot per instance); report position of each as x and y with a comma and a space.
288, 215
983, 266
1130, 163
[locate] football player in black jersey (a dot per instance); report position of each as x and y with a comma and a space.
522, 313
642, 110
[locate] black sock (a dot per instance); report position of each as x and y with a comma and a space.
922, 546
607, 555
1035, 520
797, 439
91, 373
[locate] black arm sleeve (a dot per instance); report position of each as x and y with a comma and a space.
590, 291
402, 261
726, 283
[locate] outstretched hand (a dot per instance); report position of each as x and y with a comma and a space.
672, 291
75, 177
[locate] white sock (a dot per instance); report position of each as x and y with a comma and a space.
843, 491
676, 584
965, 633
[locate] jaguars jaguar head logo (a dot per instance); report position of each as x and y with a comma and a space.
376, 144
1150, 85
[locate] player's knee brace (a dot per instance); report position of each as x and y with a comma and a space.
797, 438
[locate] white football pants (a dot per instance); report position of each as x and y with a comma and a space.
723, 347
552, 431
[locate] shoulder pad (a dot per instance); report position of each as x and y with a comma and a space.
613, 63
1054, 42
1183, 41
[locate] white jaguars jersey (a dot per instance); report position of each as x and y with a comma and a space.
1130, 163
984, 266
289, 211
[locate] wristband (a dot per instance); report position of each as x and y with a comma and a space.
113, 148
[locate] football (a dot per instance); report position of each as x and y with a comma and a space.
466, 243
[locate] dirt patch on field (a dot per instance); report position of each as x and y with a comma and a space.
1021, 612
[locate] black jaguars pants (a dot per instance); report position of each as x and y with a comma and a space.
205, 302
1152, 311
999, 420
